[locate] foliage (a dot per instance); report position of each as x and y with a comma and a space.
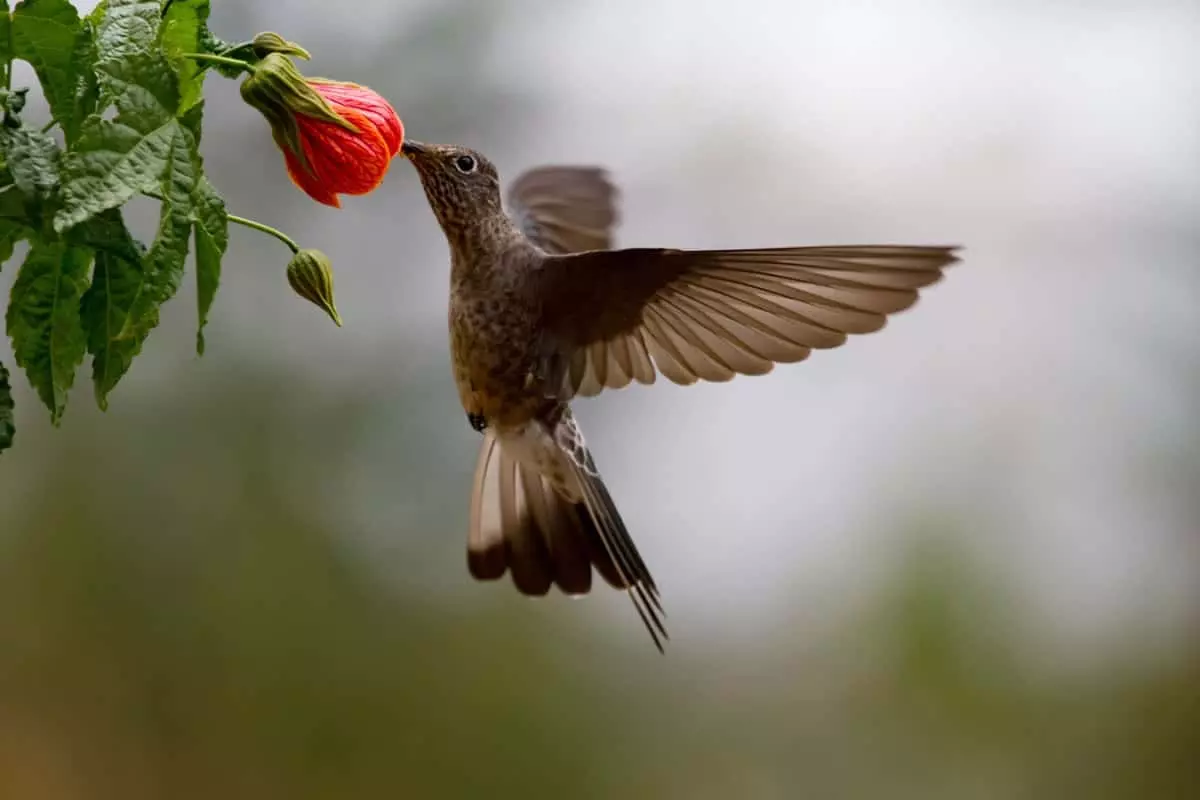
125, 91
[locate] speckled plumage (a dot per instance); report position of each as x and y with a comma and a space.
542, 310
493, 317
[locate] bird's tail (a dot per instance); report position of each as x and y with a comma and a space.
548, 534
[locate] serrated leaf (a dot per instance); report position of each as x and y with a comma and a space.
127, 27
43, 319
129, 285
8, 428
141, 85
117, 280
163, 264
150, 146
32, 159
47, 34
211, 231
183, 31
114, 160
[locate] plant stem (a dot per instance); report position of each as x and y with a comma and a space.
245, 222
46, 128
212, 59
267, 229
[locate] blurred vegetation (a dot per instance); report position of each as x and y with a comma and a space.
180, 623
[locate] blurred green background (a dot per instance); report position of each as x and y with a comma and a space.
959, 559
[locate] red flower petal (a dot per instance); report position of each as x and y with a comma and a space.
342, 95
339, 161
307, 183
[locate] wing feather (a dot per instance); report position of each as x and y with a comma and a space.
628, 315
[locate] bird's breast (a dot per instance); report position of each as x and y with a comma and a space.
492, 347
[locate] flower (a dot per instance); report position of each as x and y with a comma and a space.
336, 137
342, 96
310, 275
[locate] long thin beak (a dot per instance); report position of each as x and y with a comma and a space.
412, 148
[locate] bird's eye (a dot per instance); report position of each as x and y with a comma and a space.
465, 164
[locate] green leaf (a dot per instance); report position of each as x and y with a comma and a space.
87, 90
105, 310
107, 231
43, 319
14, 221
114, 160
47, 34
211, 231
11, 232
150, 146
117, 280
183, 31
163, 264
129, 285
193, 120
127, 27
98, 13
32, 159
6, 44
7, 428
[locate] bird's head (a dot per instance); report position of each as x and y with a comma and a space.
462, 186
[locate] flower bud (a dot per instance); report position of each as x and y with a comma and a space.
269, 42
310, 275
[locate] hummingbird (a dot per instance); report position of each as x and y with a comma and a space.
543, 309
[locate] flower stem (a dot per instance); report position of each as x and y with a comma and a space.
213, 59
267, 229
253, 224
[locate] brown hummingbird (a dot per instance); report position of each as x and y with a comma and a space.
542, 310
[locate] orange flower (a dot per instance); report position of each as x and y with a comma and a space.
336, 138
341, 95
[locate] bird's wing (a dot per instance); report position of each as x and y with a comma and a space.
565, 209
624, 315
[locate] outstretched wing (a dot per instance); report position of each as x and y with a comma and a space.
619, 316
565, 209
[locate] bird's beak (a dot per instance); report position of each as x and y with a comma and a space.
413, 149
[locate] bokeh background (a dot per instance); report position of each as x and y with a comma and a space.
957, 559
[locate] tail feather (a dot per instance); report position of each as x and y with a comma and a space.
569, 560
521, 523
528, 553
623, 553
486, 556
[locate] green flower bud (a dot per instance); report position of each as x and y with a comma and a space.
311, 276
270, 42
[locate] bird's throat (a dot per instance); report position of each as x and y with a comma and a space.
478, 245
